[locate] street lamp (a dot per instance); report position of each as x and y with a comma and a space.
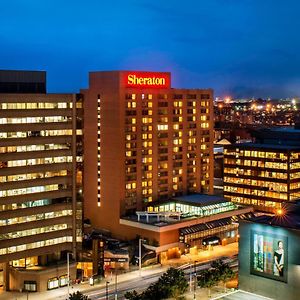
106, 290
140, 256
190, 276
195, 278
116, 285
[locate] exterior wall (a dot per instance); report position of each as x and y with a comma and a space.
263, 177
121, 148
105, 214
41, 277
264, 286
170, 234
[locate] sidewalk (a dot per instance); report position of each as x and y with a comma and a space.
207, 255
61, 293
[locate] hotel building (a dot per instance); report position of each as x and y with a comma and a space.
144, 142
265, 174
40, 180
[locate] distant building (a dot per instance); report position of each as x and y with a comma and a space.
40, 181
269, 261
264, 174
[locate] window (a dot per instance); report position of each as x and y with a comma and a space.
63, 280
30, 286
53, 283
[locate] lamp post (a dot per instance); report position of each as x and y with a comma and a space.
190, 277
116, 285
140, 257
195, 278
106, 290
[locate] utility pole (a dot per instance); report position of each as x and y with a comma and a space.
106, 290
68, 267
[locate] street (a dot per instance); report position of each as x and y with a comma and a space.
143, 282
131, 280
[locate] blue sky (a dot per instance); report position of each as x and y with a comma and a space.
240, 48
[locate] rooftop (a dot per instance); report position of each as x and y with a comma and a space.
242, 295
191, 208
267, 146
282, 130
198, 199
289, 219
15, 81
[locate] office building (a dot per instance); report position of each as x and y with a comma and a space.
144, 142
40, 181
264, 174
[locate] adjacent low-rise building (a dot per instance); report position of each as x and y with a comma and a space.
195, 221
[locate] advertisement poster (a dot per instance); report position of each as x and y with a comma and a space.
269, 255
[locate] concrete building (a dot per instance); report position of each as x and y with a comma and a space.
40, 181
269, 247
144, 142
264, 174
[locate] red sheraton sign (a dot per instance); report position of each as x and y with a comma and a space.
147, 80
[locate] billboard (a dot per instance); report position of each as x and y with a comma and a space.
269, 255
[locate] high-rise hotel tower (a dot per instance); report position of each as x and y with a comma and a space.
143, 142
40, 179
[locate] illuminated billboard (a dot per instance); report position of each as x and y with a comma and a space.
269, 255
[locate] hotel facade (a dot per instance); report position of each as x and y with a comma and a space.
40, 179
144, 142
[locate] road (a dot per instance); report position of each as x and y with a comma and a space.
142, 283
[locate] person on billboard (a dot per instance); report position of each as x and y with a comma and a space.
279, 260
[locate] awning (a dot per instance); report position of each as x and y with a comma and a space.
214, 224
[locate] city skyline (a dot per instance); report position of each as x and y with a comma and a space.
239, 49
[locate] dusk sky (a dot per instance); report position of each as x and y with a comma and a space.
240, 48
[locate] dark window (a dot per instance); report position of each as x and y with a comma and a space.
205, 96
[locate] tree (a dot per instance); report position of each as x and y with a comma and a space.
207, 279
171, 284
174, 282
132, 295
223, 270
78, 296
219, 271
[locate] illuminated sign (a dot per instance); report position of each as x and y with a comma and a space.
147, 80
